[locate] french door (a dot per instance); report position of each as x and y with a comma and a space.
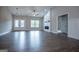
35, 24
19, 24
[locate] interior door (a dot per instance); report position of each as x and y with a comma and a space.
19, 24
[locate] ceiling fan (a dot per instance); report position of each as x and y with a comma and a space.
35, 13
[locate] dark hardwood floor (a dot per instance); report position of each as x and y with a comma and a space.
38, 41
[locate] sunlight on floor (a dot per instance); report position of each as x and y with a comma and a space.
20, 39
34, 39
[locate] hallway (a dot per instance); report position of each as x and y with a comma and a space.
37, 41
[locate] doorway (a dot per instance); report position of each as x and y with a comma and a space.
63, 23
19, 24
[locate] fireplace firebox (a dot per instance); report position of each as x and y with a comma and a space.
46, 27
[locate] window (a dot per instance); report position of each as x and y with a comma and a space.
16, 24
22, 23
35, 23
19, 23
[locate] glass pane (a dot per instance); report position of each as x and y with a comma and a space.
37, 23
16, 24
22, 23
32, 23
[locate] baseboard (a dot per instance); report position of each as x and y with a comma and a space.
73, 37
29, 30
4, 33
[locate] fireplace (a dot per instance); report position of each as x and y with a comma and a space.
46, 27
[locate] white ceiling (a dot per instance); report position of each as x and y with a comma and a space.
28, 10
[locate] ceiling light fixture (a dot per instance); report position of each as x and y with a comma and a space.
35, 13
16, 11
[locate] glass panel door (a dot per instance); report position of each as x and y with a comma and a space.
19, 24
16, 23
35, 23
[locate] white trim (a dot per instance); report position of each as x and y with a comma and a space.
59, 31
73, 37
55, 32
4, 33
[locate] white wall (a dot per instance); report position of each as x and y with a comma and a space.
5, 20
73, 25
73, 19
46, 21
28, 22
